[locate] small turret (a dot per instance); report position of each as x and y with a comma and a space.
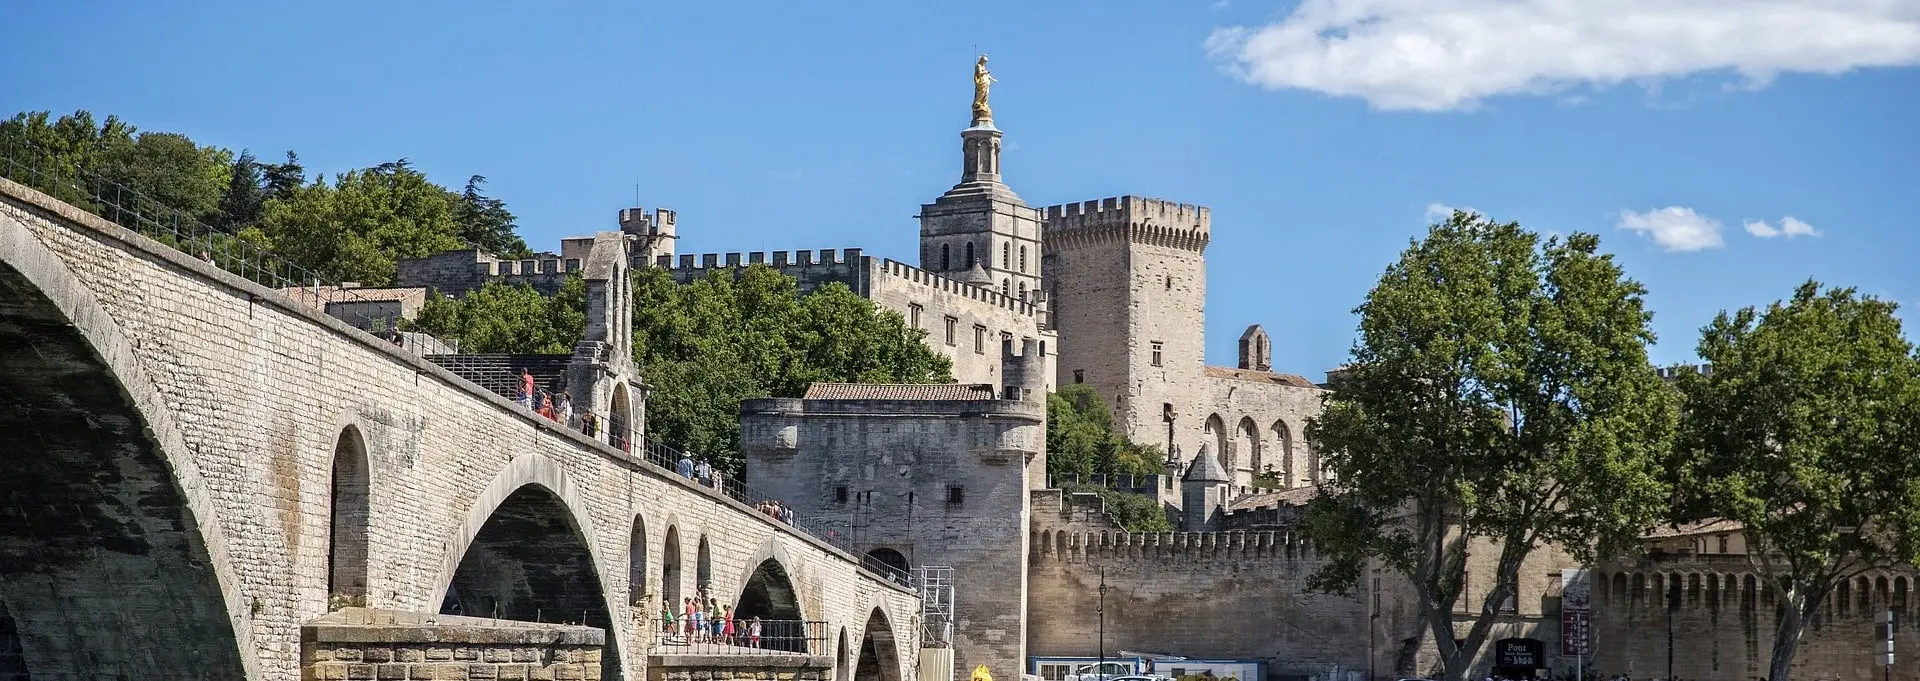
1256, 349
655, 232
1203, 492
1023, 376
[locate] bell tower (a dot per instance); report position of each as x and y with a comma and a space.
981, 221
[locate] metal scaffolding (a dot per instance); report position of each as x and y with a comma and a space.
936, 606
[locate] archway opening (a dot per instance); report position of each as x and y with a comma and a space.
670, 572
703, 570
92, 506
352, 514
619, 420
770, 596
530, 562
637, 567
1215, 430
886, 560
842, 659
879, 660
1246, 452
1283, 450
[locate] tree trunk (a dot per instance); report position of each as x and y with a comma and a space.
1786, 633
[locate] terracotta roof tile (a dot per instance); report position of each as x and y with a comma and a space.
871, 391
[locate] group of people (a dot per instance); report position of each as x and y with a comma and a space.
555, 406
704, 620
702, 472
775, 510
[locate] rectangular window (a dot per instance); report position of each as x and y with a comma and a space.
979, 340
840, 494
1079, 375
956, 494
1156, 353
951, 322
1043, 348
913, 315
1723, 543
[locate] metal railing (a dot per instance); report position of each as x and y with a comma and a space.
33, 165
838, 534
718, 636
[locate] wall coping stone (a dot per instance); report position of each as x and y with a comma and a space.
368, 625
757, 661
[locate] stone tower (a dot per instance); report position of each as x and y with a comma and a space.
980, 221
1256, 350
601, 376
1203, 492
653, 233
1126, 282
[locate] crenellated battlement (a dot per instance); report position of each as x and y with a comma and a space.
908, 273
1077, 546
1142, 220
807, 267
1729, 581
827, 257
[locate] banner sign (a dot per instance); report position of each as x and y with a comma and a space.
1576, 612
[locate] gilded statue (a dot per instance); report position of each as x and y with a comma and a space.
980, 673
981, 81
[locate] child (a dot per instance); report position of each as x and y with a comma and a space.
726, 631
753, 632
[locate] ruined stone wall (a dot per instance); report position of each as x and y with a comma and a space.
1235, 595
1262, 423
247, 394
942, 482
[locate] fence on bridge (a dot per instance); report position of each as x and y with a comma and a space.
45, 170
699, 636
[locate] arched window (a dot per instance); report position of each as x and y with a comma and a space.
1006, 256
703, 570
670, 568
946, 261
970, 260
1023, 291
1023, 259
1003, 288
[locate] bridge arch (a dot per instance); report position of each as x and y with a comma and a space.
350, 515
528, 551
637, 567
98, 476
670, 579
879, 657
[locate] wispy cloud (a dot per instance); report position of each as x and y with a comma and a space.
1219, 4
1437, 211
1789, 228
1676, 229
1451, 54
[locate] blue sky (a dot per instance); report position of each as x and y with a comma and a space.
1321, 135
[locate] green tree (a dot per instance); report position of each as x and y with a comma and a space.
245, 200
361, 226
1807, 432
1499, 395
509, 318
169, 169
708, 344
485, 223
1134, 512
281, 179
1082, 443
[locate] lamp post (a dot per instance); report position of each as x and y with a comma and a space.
1100, 670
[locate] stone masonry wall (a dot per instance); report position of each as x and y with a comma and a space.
942, 482
357, 643
248, 393
899, 287
1238, 595
1276, 414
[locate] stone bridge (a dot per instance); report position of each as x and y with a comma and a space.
192, 466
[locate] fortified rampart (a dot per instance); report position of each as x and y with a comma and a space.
1203, 595
846, 266
1712, 616
1143, 220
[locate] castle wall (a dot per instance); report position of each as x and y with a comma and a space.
846, 266
1235, 595
899, 287
1723, 623
1275, 413
942, 482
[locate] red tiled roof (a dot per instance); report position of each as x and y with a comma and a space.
1294, 380
1298, 496
871, 391
1709, 526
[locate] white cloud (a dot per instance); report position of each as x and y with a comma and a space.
1677, 229
1219, 4
1437, 211
1451, 54
1790, 227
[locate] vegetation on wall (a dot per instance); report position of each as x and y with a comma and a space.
1135, 512
352, 229
1082, 444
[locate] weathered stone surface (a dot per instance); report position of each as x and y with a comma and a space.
242, 396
